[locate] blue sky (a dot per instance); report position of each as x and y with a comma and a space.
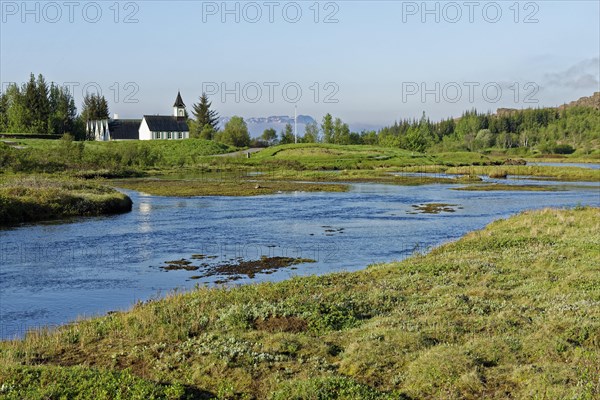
373, 59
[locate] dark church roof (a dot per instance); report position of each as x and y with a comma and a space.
166, 123
124, 129
179, 101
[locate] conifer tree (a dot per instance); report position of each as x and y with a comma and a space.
207, 120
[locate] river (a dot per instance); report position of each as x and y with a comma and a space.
51, 274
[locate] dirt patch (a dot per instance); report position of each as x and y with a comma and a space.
265, 265
182, 264
281, 324
236, 269
434, 208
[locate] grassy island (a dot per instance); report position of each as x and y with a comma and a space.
41, 198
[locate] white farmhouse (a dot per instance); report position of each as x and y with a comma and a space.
166, 127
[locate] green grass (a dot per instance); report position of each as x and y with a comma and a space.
222, 187
65, 155
337, 157
511, 311
239, 183
39, 198
552, 173
42, 383
143, 158
365, 176
501, 187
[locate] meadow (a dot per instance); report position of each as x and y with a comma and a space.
199, 167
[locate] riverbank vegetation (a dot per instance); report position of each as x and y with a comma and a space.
198, 167
501, 187
509, 311
42, 198
536, 172
217, 186
67, 155
253, 183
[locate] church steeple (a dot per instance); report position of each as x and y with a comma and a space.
179, 107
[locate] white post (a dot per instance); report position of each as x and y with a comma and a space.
296, 124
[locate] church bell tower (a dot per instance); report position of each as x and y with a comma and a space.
179, 107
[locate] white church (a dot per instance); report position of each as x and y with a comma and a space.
150, 127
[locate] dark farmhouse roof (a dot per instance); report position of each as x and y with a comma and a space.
166, 123
124, 129
179, 101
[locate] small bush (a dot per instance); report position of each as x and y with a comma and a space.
563, 149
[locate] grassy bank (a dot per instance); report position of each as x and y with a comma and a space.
244, 183
339, 157
49, 156
144, 158
500, 187
512, 311
566, 173
41, 198
222, 187
542, 172
367, 176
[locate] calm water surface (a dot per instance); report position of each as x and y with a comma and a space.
51, 274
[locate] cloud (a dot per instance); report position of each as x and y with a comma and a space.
583, 75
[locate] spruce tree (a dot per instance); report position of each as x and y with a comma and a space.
41, 112
207, 120
30, 99
327, 128
94, 107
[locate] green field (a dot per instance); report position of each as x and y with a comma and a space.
337, 157
72, 157
512, 311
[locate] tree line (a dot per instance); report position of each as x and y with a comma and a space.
549, 130
37, 107
41, 108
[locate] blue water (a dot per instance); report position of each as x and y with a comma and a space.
53, 273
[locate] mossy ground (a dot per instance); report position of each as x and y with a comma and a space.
501, 187
253, 183
511, 311
40, 198
222, 187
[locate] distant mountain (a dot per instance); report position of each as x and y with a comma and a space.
591, 101
257, 125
